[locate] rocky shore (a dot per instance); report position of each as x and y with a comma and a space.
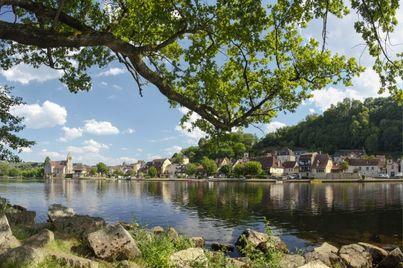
68, 239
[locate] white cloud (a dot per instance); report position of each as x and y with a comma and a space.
193, 133
52, 155
273, 126
24, 74
140, 150
100, 128
117, 87
71, 133
104, 83
312, 111
112, 72
89, 146
129, 131
127, 159
173, 149
26, 150
37, 116
162, 139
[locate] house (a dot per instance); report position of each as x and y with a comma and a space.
290, 167
80, 170
185, 160
62, 168
223, 162
305, 163
270, 164
176, 171
285, 155
161, 165
340, 155
366, 167
394, 168
321, 166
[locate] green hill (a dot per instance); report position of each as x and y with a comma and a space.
375, 125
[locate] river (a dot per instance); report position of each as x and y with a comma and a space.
303, 214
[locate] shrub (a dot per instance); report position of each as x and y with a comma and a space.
152, 172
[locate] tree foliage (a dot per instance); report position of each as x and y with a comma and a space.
102, 168
234, 63
251, 168
10, 125
191, 169
209, 166
375, 125
231, 145
152, 172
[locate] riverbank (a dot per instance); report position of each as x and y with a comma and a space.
72, 240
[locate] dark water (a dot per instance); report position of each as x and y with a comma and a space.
302, 213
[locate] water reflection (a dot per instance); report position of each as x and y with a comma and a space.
301, 213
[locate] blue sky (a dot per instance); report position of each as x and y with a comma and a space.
112, 123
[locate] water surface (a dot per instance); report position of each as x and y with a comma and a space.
303, 214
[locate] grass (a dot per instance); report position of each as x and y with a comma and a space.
22, 232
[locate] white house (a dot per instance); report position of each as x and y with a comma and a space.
394, 168
59, 168
366, 167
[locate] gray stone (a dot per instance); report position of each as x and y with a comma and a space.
22, 256
191, 257
355, 256
78, 225
314, 264
113, 243
394, 259
261, 241
73, 261
291, 261
7, 239
172, 233
40, 240
235, 263
21, 217
325, 253
377, 253
157, 230
198, 241
59, 211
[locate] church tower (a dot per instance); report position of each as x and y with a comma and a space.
69, 164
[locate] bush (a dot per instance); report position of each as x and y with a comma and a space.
252, 168
226, 170
191, 169
209, 166
152, 172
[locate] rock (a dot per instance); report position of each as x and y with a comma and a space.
394, 259
19, 208
22, 256
236, 263
157, 230
40, 240
355, 256
72, 261
261, 241
127, 264
172, 233
198, 241
191, 257
78, 225
59, 211
325, 253
7, 239
222, 247
314, 264
113, 242
129, 226
21, 217
291, 261
377, 253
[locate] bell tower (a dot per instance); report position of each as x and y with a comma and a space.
69, 164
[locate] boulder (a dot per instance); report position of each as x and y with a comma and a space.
7, 239
377, 253
325, 253
72, 261
394, 259
40, 240
222, 247
78, 225
198, 241
314, 264
22, 256
157, 230
355, 256
191, 257
260, 241
113, 243
291, 261
56, 211
172, 233
21, 217
236, 263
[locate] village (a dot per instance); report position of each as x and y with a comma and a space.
283, 163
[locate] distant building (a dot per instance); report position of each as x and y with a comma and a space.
80, 170
59, 168
341, 155
367, 167
285, 155
394, 168
270, 164
305, 163
321, 166
223, 162
290, 167
160, 164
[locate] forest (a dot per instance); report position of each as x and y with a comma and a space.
374, 124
